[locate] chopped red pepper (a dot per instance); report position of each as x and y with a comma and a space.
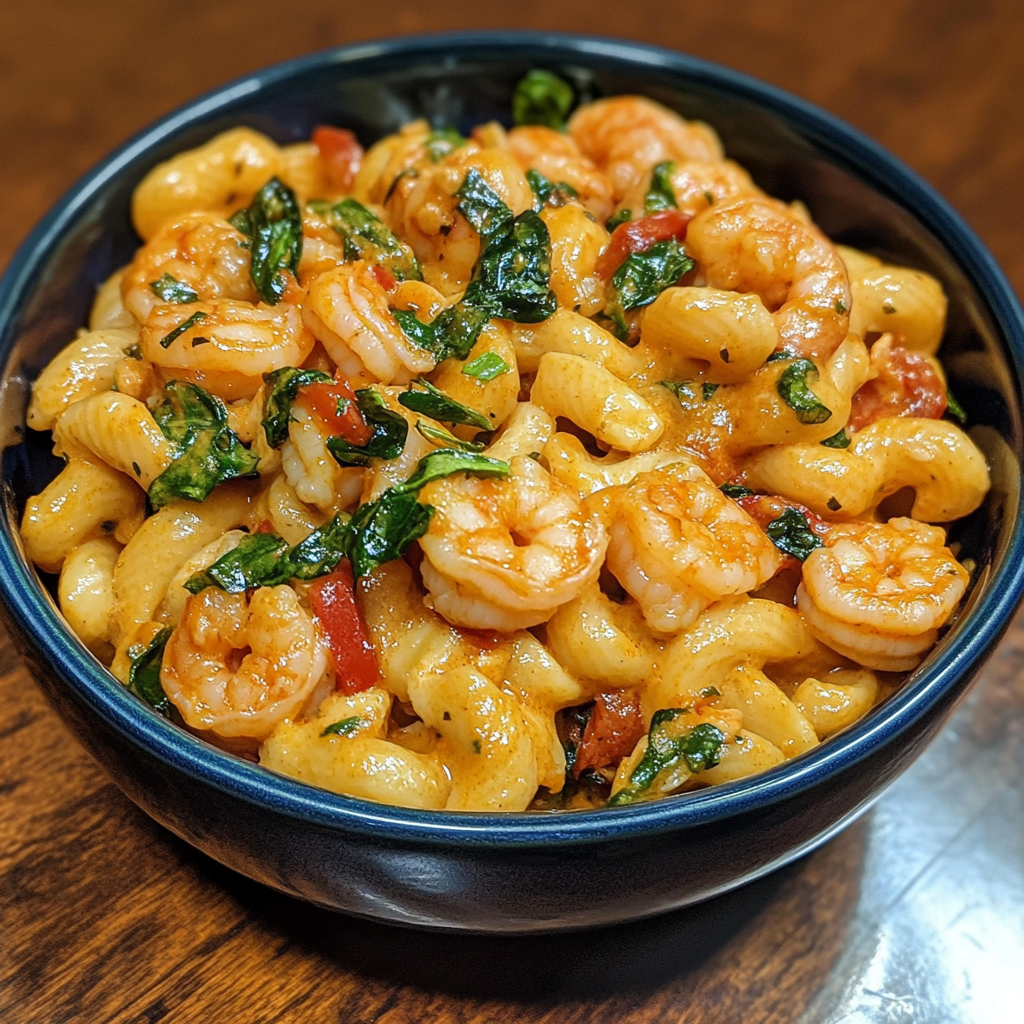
616, 724
907, 385
384, 277
639, 235
340, 154
333, 600
333, 405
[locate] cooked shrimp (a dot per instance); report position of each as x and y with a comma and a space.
559, 158
423, 210
229, 346
678, 544
757, 245
201, 251
348, 312
627, 135
239, 669
504, 554
392, 158
697, 185
878, 592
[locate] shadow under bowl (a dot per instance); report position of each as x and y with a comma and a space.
541, 871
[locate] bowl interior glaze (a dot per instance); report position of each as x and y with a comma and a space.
856, 192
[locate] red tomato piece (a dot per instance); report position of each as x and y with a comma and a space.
384, 277
340, 154
333, 600
907, 385
638, 235
333, 404
616, 723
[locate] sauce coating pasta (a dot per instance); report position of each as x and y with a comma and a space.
552, 467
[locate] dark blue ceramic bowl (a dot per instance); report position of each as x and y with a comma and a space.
516, 872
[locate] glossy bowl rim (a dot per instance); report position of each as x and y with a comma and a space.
37, 617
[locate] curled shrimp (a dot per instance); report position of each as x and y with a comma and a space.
504, 554
559, 158
627, 135
879, 592
228, 346
677, 544
697, 185
758, 245
349, 313
201, 251
239, 668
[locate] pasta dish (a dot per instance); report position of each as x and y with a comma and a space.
557, 466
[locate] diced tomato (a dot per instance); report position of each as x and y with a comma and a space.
616, 723
333, 404
384, 277
638, 235
340, 154
333, 600
907, 385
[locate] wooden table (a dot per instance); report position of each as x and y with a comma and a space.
915, 914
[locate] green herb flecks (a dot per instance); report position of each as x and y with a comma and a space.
346, 727
542, 98
366, 237
708, 391
547, 193
794, 389
443, 439
196, 318
443, 141
144, 672
486, 367
208, 451
273, 222
954, 408
431, 401
841, 439
485, 210
170, 289
792, 534
671, 745
387, 440
660, 195
282, 387
735, 491
451, 335
642, 277
622, 217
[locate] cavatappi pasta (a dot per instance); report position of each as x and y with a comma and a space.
546, 468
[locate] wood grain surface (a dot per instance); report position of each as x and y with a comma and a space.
915, 914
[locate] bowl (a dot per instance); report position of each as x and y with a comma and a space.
528, 871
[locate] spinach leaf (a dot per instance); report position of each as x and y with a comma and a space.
486, 366
512, 277
451, 335
661, 196
320, 552
209, 452
547, 193
954, 408
383, 530
443, 141
708, 391
186, 325
483, 208
792, 534
437, 405
794, 389
642, 277
346, 727
170, 289
838, 440
366, 237
387, 440
735, 491
542, 98
621, 217
669, 743
274, 223
144, 672
283, 385
443, 439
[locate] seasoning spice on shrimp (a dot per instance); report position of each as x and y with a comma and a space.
545, 467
